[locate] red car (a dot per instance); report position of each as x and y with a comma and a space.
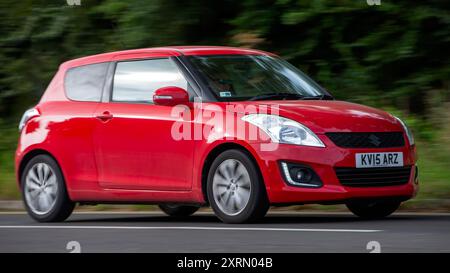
185, 127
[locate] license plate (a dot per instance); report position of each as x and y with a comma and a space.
373, 160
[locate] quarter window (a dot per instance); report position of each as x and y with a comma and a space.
136, 81
85, 83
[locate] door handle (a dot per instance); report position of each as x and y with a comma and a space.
105, 116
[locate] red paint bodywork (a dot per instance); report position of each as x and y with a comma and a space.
122, 152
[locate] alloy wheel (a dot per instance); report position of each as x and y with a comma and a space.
41, 188
231, 187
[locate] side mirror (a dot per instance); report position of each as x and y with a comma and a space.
170, 96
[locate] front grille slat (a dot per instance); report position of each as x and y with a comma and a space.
367, 140
377, 184
405, 172
373, 177
373, 170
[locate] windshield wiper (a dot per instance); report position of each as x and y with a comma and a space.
277, 96
290, 96
319, 97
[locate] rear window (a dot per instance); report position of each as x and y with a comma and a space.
85, 83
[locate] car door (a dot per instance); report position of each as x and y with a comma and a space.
134, 147
71, 123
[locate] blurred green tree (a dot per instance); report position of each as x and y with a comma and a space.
395, 54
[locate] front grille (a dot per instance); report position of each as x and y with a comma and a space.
368, 140
373, 177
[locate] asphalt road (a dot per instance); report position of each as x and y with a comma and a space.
202, 232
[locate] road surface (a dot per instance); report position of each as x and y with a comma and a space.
202, 232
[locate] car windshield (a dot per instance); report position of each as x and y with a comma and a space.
255, 77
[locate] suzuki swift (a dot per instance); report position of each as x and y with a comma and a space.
184, 127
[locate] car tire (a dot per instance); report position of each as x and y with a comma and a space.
373, 209
235, 188
44, 190
178, 210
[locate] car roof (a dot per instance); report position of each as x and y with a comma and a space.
155, 52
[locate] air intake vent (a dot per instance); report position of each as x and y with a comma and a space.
373, 177
368, 140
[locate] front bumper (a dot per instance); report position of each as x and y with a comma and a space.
323, 161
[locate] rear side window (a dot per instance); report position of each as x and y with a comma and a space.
85, 83
136, 81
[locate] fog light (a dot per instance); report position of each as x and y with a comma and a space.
302, 174
299, 175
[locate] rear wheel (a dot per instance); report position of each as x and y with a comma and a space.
235, 189
44, 190
373, 209
178, 210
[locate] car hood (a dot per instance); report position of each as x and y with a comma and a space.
323, 116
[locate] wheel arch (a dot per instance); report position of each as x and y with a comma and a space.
220, 148
30, 155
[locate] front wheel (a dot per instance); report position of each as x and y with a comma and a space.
373, 209
235, 188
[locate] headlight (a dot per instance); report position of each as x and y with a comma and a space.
409, 134
283, 130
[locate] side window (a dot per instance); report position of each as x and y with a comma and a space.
136, 81
85, 83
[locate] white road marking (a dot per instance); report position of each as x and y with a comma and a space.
193, 228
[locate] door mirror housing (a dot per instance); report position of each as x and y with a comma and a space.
171, 96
